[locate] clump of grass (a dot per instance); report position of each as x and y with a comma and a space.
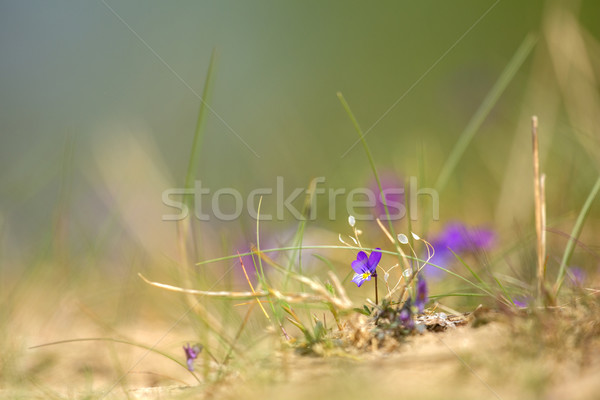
393, 319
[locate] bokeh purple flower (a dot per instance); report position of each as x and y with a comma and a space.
522, 301
365, 267
461, 239
393, 192
191, 353
576, 276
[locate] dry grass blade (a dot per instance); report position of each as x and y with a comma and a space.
341, 304
339, 289
217, 294
391, 239
540, 209
538, 203
252, 287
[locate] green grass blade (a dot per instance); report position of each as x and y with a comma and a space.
326, 262
344, 248
373, 168
454, 274
263, 278
484, 109
200, 122
475, 274
290, 248
299, 235
260, 271
504, 291
575, 234
441, 296
143, 346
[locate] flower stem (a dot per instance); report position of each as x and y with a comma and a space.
376, 291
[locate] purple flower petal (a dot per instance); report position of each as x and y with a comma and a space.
360, 278
374, 259
360, 267
360, 264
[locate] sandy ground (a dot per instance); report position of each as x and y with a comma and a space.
508, 358
462, 363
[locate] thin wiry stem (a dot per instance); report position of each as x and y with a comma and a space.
376, 291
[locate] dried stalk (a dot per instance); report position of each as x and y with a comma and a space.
540, 208
342, 303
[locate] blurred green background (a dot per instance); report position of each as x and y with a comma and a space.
77, 84
98, 106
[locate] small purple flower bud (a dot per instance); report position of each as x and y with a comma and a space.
405, 317
191, 353
422, 295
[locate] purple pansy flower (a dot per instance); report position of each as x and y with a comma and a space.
365, 267
191, 353
421, 298
460, 239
